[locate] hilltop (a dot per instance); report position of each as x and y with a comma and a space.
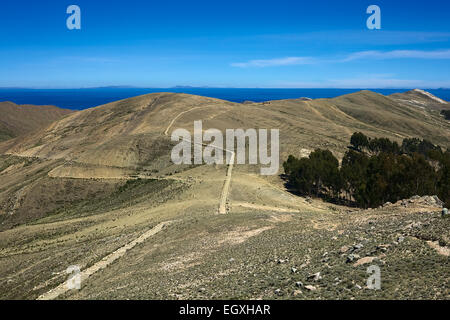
421, 99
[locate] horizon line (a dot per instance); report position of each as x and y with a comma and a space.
220, 87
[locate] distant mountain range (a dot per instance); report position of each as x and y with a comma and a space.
201, 87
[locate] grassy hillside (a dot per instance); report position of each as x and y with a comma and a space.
130, 133
20, 119
77, 190
421, 99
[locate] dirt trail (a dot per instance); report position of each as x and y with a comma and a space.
166, 133
445, 251
264, 208
63, 288
226, 186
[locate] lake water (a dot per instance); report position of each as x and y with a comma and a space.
79, 99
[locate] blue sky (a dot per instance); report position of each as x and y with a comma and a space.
299, 44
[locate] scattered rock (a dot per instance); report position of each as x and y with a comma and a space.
438, 201
299, 284
278, 292
315, 276
297, 292
310, 288
444, 212
352, 257
445, 251
432, 201
400, 239
294, 270
231, 260
201, 290
337, 281
344, 249
383, 247
364, 261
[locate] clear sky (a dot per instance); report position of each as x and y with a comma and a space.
226, 43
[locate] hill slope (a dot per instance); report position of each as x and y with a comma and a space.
16, 119
70, 195
421, 99
130, 133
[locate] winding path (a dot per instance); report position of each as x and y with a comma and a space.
106, 261
226, 186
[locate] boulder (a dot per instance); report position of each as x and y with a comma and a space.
352, 257
310, 288
315, 276
364, 260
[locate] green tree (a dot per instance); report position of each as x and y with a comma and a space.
443, 184
378, 145
390, 173
359, 141
326, 171
354, 176
446, 114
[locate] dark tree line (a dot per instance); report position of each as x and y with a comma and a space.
446, 114
373, 171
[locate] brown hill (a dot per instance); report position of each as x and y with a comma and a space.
130, 133
16, 119
421, 99
69, 195
127, 139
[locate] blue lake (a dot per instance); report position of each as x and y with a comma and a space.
79, 99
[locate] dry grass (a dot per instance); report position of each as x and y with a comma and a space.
69, 195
